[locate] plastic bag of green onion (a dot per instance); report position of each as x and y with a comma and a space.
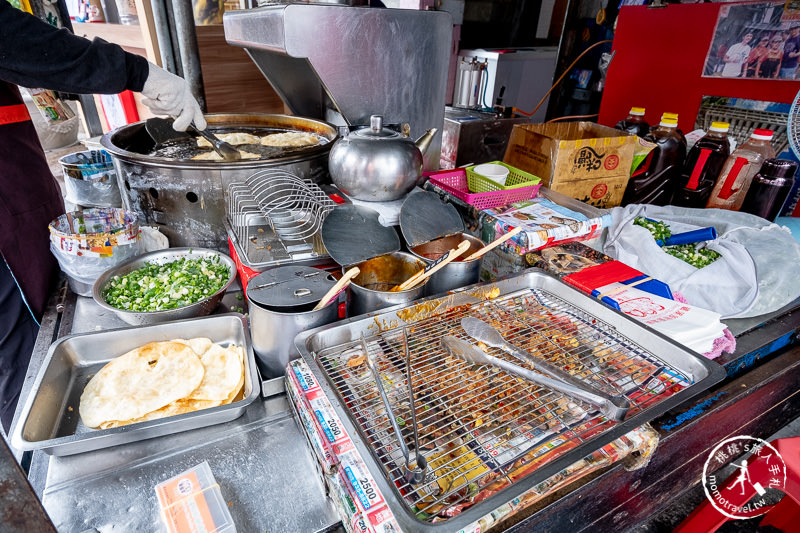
158, 287
698, 258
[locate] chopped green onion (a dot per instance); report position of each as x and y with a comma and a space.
158, 287
685, 252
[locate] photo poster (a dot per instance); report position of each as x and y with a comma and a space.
756, 41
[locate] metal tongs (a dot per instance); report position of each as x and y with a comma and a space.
225, 150
416, 465
613, 407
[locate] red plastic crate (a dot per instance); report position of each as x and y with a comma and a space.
455, 182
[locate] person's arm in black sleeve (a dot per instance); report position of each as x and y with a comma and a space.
35, 54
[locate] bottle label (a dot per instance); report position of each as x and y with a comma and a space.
694, 179
727, 188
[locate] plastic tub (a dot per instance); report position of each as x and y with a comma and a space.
90, 179
89, 242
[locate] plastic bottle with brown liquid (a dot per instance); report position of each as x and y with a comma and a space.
739, 169
634, 123
672, 116
770, 188
654, 182
702, 167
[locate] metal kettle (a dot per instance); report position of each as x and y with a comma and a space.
377, 164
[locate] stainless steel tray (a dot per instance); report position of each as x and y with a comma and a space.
655, 373
49, 421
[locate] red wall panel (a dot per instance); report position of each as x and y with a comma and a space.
660, 53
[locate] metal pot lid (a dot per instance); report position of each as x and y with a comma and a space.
352, 234
375, 130
424, 217
289, 286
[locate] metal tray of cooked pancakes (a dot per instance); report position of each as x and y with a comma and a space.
488, 436
49, 420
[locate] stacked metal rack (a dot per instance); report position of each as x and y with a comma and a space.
274, 217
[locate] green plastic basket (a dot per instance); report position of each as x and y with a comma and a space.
516, 179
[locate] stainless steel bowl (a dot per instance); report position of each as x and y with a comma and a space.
138, 318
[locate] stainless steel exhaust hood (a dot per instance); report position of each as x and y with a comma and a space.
342, 64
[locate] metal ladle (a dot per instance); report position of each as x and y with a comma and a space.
415, 474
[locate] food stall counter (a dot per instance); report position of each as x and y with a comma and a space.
261, 461
269, 479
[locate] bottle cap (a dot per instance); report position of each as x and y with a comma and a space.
778, 168
668, 123
720, 127
638, 111
761, 135
673, 116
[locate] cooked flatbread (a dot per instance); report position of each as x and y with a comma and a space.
214, 156
238, 390
223, 373
290, 139
224, 370
141, 381
178, 407
199, 344
230, 138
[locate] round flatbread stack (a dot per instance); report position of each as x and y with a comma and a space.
162, 379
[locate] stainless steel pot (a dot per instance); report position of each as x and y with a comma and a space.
186, 198
281, 304
455, 274
369, 290
273, 334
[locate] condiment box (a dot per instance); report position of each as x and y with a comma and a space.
584, 160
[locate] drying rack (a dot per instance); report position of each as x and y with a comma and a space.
274, 217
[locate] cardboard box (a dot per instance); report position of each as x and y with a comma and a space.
584, 160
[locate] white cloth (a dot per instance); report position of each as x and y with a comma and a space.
735, 58
168, 94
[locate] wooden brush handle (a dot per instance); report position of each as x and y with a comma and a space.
336, 289
495, 243
431, 269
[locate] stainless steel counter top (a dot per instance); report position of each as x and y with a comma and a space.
261, 461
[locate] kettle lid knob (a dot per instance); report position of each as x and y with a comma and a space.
376, 123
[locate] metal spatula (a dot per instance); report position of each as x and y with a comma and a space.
228, 152
162, 132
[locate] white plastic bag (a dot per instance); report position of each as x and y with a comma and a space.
759, 270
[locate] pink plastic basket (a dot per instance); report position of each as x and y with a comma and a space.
455, 182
